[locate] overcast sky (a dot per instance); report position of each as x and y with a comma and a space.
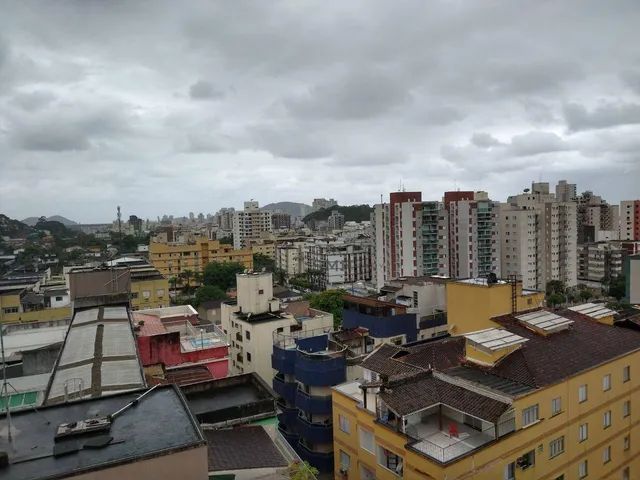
187, 106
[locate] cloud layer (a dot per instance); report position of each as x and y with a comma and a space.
170, 109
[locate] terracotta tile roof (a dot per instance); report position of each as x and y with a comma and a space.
425, 390
382, 362
151, 325
545, 360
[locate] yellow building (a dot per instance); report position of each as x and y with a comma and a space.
149, 289
13, 310
266, 248
473, 302
544, 395
171, 259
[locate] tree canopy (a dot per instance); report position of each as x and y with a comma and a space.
331, 301
208, 292
222, 274
261, 261
617, 287
352, 213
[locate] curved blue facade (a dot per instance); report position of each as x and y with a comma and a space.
283, 359
383, 326
322, 461
286, 390
315, 432
313, 404
320, 370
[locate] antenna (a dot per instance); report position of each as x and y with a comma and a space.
119, 224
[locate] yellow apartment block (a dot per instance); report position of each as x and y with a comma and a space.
11, 309
171, 259
472, 303
267, 249
149, 289
542, 395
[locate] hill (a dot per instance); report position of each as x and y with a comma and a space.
13, 228
352, 213
292, 208
31, 221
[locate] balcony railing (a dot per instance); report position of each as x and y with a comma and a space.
323, 461
286, 390
283, 359
321, 369
315, 432
313, 404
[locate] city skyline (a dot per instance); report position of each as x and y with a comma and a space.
168, 109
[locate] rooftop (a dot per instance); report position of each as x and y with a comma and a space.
98, 356
29, 339
132, 435
242, 448
593, 310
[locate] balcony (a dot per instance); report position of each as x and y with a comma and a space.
312, 404
315, 432
283, 359
444, 434
286, 390
290, 436
323, 461
382, 326
321, 369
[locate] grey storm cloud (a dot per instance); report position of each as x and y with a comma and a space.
287, 101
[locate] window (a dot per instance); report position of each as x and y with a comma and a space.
248, 357
556, 447
582, 393
510, 471
626, 373
146, 293
583, 469
606, 419
529, 415
556, 406
606, 454
344, 424
366, 440
366, 474
160, 292
625, 474
58, 299
10, 310
527, 460
606, 382
626, 408
260, 292
626, 443
345, 461
390, 460
583, 432
134, 295
247, 335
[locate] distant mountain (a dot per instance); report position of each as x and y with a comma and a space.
13, 228
292, 208
31, 221
352, 213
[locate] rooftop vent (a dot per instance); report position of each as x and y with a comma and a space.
544, 322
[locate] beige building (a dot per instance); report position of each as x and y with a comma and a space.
290, 258
539, 238
597, 261
249, 224
172, 258
251, 321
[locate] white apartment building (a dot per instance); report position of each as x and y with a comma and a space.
539, 238
332, 262
597, 220
249, 223
251, 321
289, 258
598, 261
396, 238
566, 192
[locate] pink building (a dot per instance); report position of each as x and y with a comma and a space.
168, 338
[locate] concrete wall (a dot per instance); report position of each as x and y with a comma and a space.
40, 360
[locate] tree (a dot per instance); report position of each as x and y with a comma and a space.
331, 301
300, 281
208, 292
585, 295
555, 286
222, 274
173, 281
187, 276
555, 299
617, 287
226, 240
261, 261
302, 471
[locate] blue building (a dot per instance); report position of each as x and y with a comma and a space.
308, 364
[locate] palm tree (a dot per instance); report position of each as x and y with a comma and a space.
187, 275
173, 281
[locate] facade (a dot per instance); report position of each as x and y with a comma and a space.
632, 275
396, 237
542, 395
308, 364
539, 239
251, 321
630, 220
249, 223
335, 220
172, 259
280, 221
434, 237
290, 258
16, 305
322, 203
566, 192
224, 218
332, 262
263, 247
596, 219
600, 261
473, 234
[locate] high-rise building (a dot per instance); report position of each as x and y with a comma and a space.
280, 220
396, 237
566, 192
432, 223
473, 234
630, 220
597, 220
322, 203
250, 223
331, 262
539, 238
600, 261
335, 220
224, 218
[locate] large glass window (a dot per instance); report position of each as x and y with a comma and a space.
529, 415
